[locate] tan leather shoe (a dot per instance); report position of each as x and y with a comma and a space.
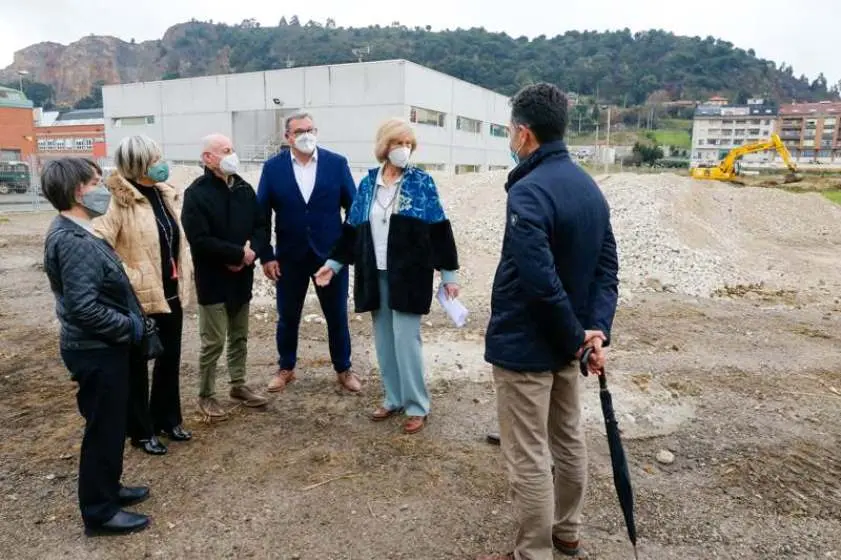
280, 380
383, 413
211, 408
349, 381
414, 424
248, 397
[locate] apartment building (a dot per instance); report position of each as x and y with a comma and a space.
718, 129
812, 131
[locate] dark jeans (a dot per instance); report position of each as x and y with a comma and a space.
147, 416
292, 291
102, 376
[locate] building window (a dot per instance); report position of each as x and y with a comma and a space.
811, 124
80, 144
133, 121
430, 166
426, 116
66, 144
461, 169
42, 144
497, 167
829, 123
469, 125
808, 143
88, 142
499, 131
753, 131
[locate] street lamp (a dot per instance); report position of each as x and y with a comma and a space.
21, 74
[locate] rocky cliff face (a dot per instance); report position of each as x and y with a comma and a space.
74, 68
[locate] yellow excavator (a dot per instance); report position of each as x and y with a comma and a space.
728, 169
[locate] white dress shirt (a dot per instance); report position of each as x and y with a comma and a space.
305, 174
383, 206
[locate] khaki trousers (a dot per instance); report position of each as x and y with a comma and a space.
216, 325
540, 421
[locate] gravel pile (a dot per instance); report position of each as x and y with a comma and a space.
674, 234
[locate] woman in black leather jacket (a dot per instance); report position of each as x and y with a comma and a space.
100, 320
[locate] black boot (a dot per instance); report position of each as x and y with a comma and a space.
130, 495
152, 446
122, 523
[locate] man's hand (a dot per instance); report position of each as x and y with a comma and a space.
324, 276
452, 290
272, 270
250, 255
594, 339
235, 268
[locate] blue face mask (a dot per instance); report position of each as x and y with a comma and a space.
515, 155
159, 172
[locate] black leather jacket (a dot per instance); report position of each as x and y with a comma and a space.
94, 300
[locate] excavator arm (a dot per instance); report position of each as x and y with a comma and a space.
726, 170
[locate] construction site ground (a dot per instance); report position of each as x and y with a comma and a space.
741, 384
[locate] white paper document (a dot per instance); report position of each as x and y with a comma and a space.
454, 308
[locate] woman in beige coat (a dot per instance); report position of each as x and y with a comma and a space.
143, 226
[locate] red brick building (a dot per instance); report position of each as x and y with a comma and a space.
17, 127
812, 130
78, 133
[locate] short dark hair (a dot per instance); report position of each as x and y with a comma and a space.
543, 109
60, 179
95, 166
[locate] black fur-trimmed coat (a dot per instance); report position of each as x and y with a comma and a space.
420, 241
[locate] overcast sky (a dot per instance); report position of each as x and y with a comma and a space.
802, 34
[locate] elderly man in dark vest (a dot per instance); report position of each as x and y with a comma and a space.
307, 187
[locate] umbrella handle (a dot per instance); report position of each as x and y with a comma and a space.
585, 371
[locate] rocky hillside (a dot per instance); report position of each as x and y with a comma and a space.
628, 68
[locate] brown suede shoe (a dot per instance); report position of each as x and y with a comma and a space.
349, 381
383, 413
414, 424
248, 397
211, 408
570, 549
280, 380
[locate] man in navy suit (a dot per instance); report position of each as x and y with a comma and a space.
307, 187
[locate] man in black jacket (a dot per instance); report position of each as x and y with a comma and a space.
226, 229
554, 293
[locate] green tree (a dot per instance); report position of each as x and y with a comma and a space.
94, 100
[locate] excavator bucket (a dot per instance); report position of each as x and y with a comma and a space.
792, 178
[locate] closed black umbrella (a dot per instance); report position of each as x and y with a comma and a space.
621, 476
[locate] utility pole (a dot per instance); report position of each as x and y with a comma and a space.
607, 148
21, 74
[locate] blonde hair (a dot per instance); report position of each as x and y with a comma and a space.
390, 131
135, 155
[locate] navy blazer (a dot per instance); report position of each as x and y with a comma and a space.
558, 272
303, 227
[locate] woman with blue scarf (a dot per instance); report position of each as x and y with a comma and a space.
397, 235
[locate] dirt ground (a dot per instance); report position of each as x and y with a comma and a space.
745, 390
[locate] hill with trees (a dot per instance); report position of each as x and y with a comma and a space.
616, 67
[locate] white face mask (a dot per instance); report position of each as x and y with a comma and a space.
399, 157
229, 164
306, 142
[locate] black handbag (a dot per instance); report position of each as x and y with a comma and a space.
151, 346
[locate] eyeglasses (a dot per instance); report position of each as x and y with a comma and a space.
298, 131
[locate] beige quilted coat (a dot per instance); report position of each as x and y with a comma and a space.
130, 227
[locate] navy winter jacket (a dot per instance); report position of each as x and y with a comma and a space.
302, 227
557, 274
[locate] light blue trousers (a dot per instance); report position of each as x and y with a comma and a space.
397, 338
